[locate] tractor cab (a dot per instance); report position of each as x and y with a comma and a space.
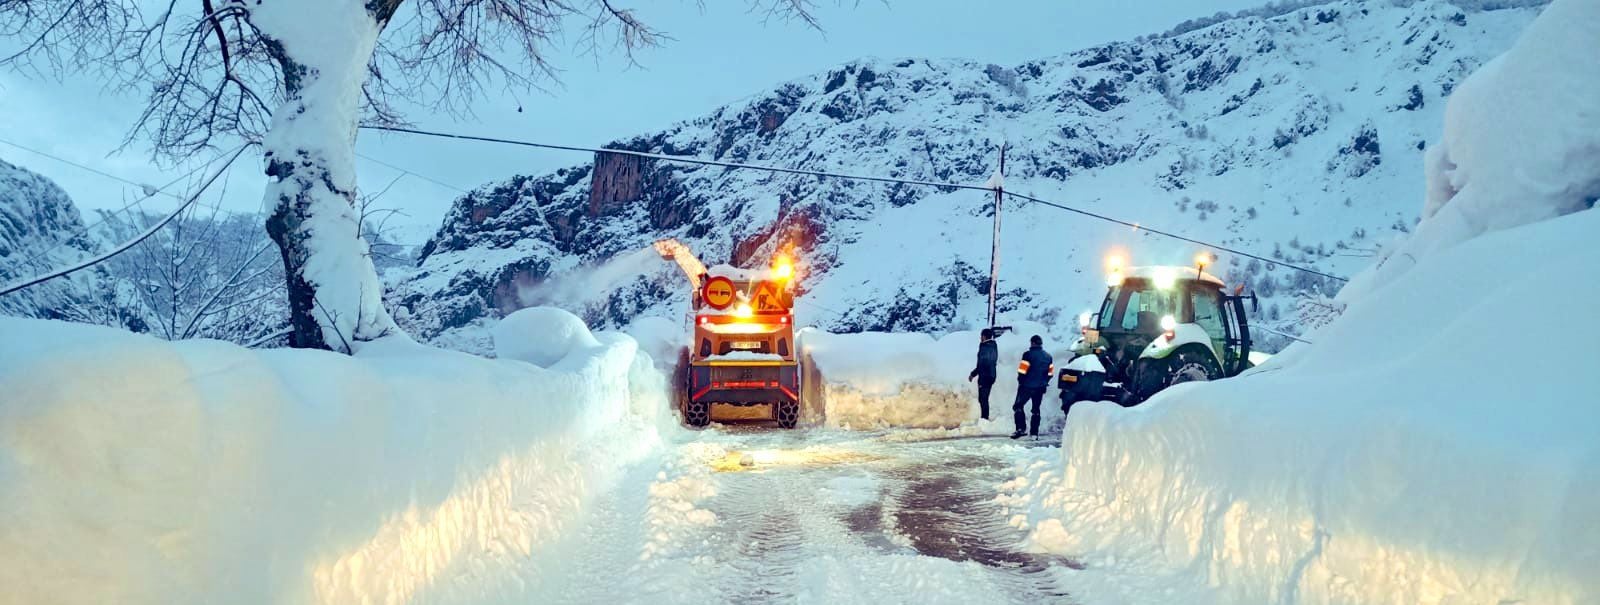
1161, 325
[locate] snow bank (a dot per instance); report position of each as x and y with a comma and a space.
1339, 473
1521, 141
913, 380
134, 470
664, 339
542, 336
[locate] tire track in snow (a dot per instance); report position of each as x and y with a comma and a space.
946, 507
766, 537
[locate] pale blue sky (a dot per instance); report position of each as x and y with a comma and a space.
719, 54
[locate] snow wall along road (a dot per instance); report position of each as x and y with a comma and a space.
134, 470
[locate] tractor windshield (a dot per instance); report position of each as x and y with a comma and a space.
1136, 305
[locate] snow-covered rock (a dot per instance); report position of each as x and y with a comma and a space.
135, 470
1297, 136
542, 336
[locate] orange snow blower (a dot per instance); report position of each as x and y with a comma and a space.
742, 355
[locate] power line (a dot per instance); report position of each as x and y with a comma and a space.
858, 177
679, 158
1175, 236
411, 172
1283, 334
123, 247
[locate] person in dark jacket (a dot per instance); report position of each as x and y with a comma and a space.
985, 372
1033, 379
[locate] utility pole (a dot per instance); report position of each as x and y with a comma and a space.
998, 182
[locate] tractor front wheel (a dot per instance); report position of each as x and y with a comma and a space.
1191, 366
1147, 378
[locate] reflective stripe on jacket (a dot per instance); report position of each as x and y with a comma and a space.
1036, 368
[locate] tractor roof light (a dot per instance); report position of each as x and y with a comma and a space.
1165, 278
1115, 262
783, 268
1114, 265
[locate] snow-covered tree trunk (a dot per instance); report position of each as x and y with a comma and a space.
323, 48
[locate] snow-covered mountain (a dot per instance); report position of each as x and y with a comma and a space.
205, 275
41, 230
1296, 136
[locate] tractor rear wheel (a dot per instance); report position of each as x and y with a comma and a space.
788, 414
697, 413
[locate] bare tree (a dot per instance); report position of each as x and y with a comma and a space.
298, 77
207, 275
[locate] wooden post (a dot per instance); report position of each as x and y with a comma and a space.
994, 249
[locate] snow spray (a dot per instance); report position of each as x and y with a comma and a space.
589, 281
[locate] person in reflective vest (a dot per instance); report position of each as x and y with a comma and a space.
1033, 379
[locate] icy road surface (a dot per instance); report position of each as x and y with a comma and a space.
811, 516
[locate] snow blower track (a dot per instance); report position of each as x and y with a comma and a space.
828, 516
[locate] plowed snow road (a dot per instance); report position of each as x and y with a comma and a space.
809, 516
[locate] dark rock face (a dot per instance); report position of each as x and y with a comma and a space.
1414, 99
1360, 155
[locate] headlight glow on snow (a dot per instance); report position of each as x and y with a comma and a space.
757, 460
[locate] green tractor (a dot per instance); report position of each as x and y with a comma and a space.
1157, 327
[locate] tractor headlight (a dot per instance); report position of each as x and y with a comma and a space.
1083, 319
1168, 323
